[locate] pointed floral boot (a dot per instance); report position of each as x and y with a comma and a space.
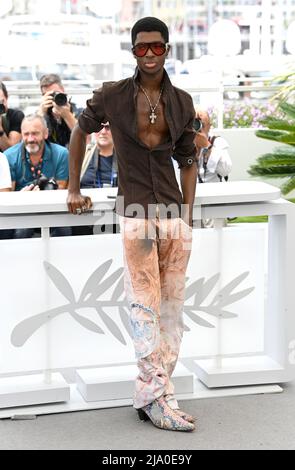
163, 417
185, 416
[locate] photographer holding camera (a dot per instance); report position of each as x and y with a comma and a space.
36, 164
214, 162
213, 157
56, 108
10, 121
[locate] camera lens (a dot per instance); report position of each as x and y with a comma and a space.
60, 98
44, 183
51, 184
197, 124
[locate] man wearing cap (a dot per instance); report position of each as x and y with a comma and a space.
150, 121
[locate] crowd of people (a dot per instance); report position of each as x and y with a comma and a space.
34, 150
36, 146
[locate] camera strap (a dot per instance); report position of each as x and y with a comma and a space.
114, 173
36, 171
92, 154
23, 158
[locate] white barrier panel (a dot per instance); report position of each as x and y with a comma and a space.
62, 304
88, 324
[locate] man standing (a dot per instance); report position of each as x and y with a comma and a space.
55, 107
150, 121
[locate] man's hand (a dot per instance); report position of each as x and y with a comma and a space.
31, 187
62, 111
46, 103
65, 113
78, 203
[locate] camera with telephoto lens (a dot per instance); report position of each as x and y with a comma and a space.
197, 125
45, 183
59, 98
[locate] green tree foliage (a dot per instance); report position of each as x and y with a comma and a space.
281, 162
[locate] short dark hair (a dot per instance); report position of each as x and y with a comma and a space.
149, 23
50, 79
4, 89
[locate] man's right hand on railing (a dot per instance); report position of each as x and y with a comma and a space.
78, 203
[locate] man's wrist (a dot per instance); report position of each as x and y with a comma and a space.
41, 111
66, 112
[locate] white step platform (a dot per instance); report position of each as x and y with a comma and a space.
32, 389
117, 383
77, 403
236, 371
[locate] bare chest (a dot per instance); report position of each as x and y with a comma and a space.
151, 123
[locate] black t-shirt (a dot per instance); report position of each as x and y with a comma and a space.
59, 133
12, 120
100, 171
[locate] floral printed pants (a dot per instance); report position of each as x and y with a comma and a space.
156, 254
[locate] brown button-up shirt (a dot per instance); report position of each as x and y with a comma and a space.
146, 175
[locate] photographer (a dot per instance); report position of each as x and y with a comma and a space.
214, 162
56, 108
10, 121
36, 164
213, 157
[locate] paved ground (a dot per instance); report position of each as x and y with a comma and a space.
247, 422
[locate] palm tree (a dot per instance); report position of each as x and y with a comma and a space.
281, 162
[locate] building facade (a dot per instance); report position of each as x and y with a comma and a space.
263, 23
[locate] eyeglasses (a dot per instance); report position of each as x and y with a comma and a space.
106, 127
157, 48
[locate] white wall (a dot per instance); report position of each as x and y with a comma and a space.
244, 148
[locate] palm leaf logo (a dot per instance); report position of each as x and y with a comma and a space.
201, 289
100, 281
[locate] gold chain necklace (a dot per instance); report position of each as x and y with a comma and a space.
152, 116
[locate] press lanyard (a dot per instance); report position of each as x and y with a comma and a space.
114, 175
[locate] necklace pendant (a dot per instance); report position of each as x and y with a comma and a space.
153, 117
